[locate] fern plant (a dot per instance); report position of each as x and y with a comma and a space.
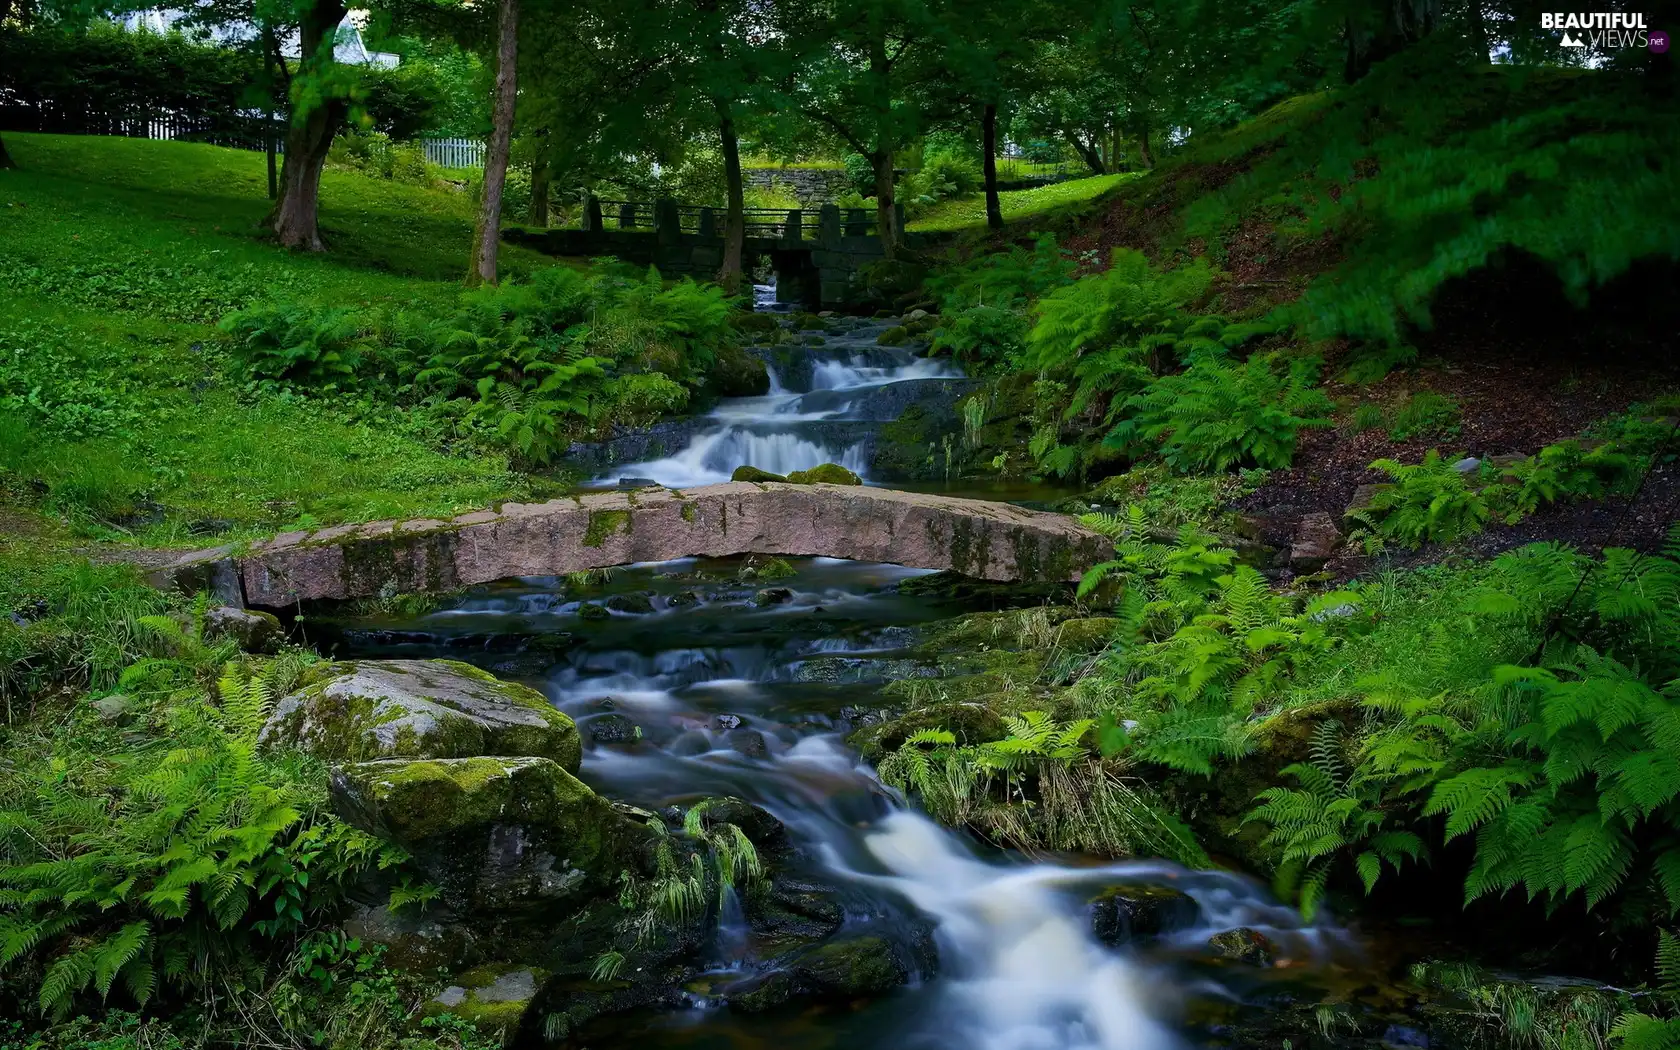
1566, 470
1336, 813
296, 343
1638, 1030
1425, 502
146, 868
1215, 416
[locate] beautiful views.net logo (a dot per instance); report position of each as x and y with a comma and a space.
1605, 29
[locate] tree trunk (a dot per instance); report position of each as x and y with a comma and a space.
1093, 159
885, 224
5, 158
988, 149
1406, 22
735, 218
310, 133
268, 48
1146, 156
1114, 151
487, 235
541, 176
1479, 32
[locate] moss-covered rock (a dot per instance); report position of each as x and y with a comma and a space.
1122, 914
897, 335
737, 373
635, 602
853, 968
1089, 635
745, 321
507, 840
253, 630
825, 474
496, 999
1243, 945
417, 800
973, 723
751, 473
376, 709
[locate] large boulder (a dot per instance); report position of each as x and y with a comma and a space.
737, 373
500, 836
365, 710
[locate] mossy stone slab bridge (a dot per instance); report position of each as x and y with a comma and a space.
817, 257
993, 541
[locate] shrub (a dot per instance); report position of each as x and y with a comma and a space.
374, 153
1215, 416
642, 398
982, 334
290, 342
1426, 502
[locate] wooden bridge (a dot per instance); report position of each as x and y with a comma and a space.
817, 257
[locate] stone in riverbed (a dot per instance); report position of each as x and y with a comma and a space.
639, 604
255, 631
362, 710
1243, 945
1122, 914
495, 999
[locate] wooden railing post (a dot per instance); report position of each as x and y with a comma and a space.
592, 213
828, 224
666, 218
708, 223
626, 216
795, 228
857, 222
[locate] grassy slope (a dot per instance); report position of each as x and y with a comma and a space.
969, 213
114, 396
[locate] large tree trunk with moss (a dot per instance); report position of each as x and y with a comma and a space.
488, 232
735, 213
295, 218
988, 149
5, 158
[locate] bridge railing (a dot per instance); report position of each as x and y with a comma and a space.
766, 223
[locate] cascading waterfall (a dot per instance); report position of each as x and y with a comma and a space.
782, 431
724, 700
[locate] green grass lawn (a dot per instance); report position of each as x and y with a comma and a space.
970, 212
118, 413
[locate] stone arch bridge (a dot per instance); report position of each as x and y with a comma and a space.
818, 257
993, 541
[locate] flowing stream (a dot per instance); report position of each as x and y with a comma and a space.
848, 379
694, 687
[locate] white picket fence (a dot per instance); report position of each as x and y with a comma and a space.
454, 153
